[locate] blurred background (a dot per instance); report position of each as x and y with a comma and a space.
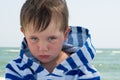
101, 17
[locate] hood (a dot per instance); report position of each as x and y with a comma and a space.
78, 45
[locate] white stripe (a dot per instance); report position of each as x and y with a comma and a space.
86, 53
66, 65
35, 66
8, 71
90, 45
76, 59
25, 58
74, 36
21, 72
84, 70
42, 74
58, 72
88, 76
84, 35
23, 62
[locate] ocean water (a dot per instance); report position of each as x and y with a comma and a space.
6, 55
107, 61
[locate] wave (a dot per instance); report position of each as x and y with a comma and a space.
13, 50
116, 51
99, 51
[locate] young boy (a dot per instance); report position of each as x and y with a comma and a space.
49, 51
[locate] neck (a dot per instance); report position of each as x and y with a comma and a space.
51, 65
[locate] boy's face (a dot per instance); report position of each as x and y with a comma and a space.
46, 45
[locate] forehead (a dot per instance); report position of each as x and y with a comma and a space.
53, 26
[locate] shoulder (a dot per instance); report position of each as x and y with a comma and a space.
14, 65
17, 65
84, 72
12, 68
14, 62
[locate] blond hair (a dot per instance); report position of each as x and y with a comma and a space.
40, 13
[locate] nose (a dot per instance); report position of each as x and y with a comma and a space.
43, 46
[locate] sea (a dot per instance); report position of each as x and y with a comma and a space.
6, 55
106, 61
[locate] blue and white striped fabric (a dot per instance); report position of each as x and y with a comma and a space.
76, 67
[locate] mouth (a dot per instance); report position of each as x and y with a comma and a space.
44, 56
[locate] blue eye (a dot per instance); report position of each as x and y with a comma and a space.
51, 38
34, 38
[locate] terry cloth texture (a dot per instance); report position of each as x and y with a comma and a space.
76, 67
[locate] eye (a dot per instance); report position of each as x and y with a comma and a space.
52, 38
34, 39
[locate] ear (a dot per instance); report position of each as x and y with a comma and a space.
67, 32
22, 30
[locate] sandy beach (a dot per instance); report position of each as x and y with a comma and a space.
2, 78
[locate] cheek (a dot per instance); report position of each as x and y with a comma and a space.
32, 47
56, 46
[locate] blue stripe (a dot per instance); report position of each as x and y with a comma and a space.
13, 77
71, 63
75, 72
79, 29
89, 68
12, 69
79, 36
21, 53
39, 69
82, 57
25, 66
70, 38
29, 77
54, 75
89, 50
94, 78
18, 60
24, 45
87, 32
61, 67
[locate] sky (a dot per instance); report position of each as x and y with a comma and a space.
101, 17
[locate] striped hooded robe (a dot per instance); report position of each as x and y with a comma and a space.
77, 67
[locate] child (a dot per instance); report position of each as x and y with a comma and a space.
49, 51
